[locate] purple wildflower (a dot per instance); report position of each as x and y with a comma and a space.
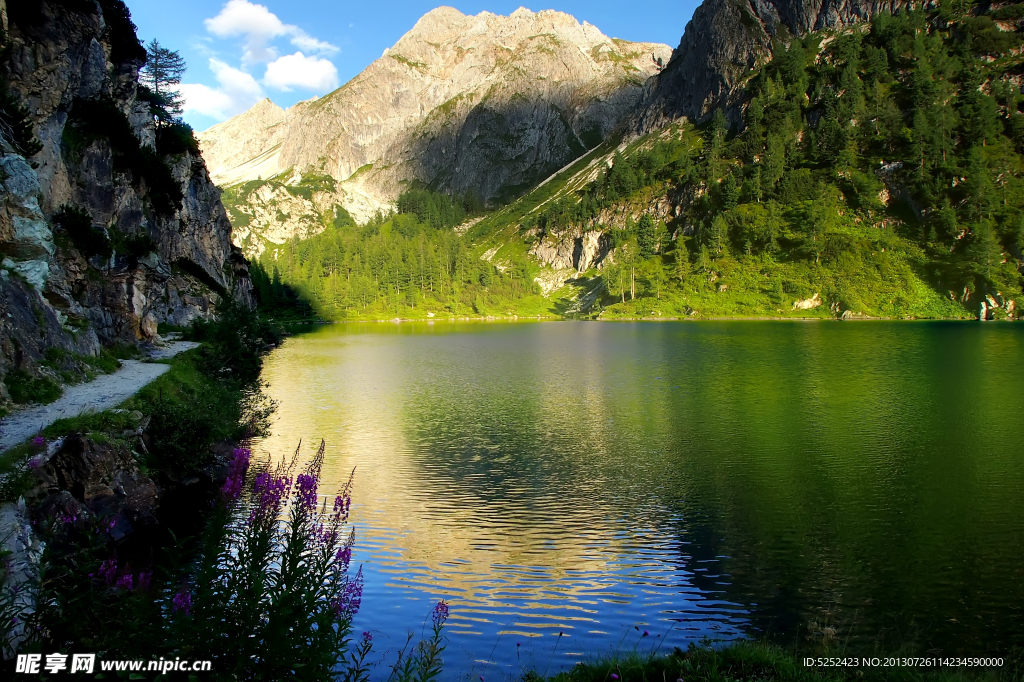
268, 492
367, 637
440, 614
182, 601
614, 676
125, 582
239, 466
35, 463
39, 442
107, 571
144, 579
646, 634
344, 555
347, 604
305, 491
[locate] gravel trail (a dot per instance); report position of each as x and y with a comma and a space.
103, 393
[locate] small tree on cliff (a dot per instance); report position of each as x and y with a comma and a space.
162, 74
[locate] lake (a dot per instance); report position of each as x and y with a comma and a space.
567, 486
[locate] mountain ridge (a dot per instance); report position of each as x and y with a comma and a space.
485, 104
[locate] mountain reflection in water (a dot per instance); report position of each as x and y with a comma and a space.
712, 479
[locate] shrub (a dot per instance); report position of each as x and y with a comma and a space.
185, 425
76, 223
135, 245
16, 124
25, 388
176, 138
124, 44
235, 343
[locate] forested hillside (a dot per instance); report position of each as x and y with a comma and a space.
409, 264
878, 173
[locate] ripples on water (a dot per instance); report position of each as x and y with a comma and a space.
712, 479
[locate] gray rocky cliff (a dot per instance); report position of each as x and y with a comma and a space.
59, 62
725, 40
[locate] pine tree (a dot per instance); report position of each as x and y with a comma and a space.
646, 237
682, 258
730, 192
162, 73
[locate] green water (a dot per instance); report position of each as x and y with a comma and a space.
690, 479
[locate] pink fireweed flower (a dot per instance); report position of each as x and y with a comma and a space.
344, 556
144, 579
107, 571
351, 597
440, 614
125, 582
239, 466
367, 637
305, 491
182, 602
268, 492
38, 442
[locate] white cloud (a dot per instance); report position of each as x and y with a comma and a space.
258, 26
298, 70
236, 92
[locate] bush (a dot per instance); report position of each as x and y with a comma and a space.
24, 388
124, 43
89, 239
135, 245
235, 343
185, 425
176, 138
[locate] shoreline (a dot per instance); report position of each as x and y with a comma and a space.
538, 318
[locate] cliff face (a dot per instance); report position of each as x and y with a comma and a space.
725, 40
74, 66
488, 104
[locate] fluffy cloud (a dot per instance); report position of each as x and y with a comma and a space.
236, 92
257, 25
298, 70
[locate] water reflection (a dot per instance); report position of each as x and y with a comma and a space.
597, 480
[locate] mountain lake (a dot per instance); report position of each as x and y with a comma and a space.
570, 486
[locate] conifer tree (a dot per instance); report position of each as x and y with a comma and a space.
162, 74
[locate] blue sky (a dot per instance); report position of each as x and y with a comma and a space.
239, 51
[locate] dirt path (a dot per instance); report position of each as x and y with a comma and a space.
103, 393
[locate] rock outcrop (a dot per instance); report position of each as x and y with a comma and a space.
725, 40
485, 104
165, 251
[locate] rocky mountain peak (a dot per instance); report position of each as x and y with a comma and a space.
725, 40
487, 104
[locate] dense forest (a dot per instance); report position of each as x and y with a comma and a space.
406, 263
878, 168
